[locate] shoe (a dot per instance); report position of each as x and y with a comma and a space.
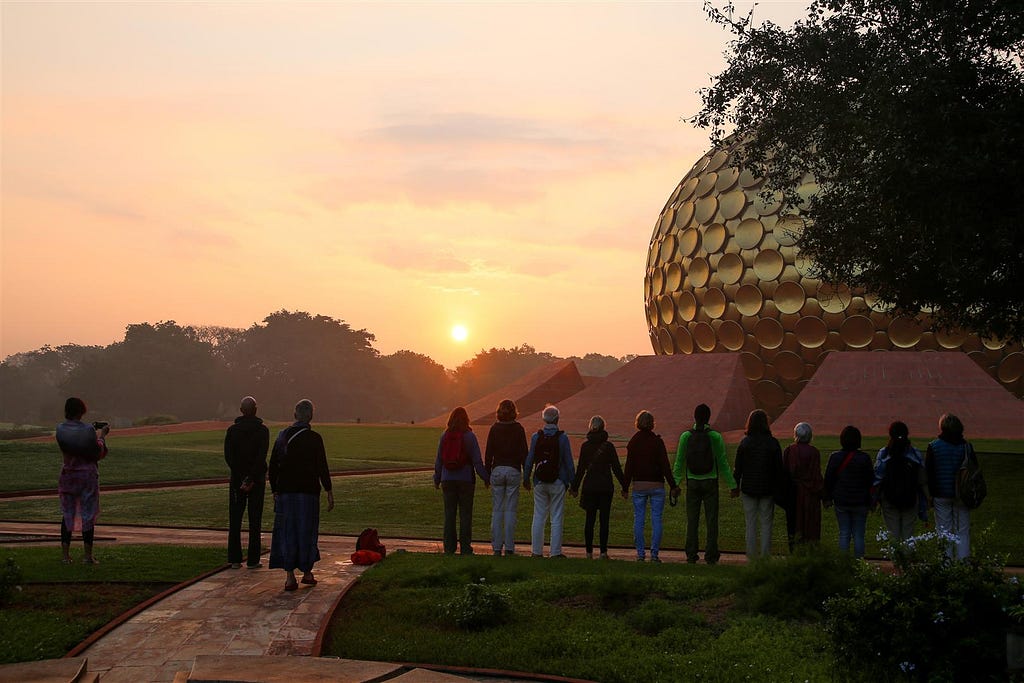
535, 555
291, 586
254, 566
510, 553
590, 556
655, 558
236, 565
603, 556
559, 556
497, 553
66, 560
640, 559
309, 581
90, 560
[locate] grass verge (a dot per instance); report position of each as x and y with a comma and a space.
60, 605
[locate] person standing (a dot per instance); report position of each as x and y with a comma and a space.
550, 462
458, 454
848, 479
700, 458
246, 443
803, 461
598, 461
943, 460
757, 470
504, 456
901, 483
82, 446
647, 469
298, 468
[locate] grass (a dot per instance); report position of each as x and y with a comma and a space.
607, 621
60, 605
200, 455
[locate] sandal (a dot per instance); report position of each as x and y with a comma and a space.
309, 580
66, 560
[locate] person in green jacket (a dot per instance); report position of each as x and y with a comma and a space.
701, 457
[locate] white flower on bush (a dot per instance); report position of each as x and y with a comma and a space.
940, 618
907, 667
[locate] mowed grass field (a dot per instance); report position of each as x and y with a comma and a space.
407, 505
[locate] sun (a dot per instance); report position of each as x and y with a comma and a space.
459, 333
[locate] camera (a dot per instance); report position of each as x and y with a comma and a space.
100, 425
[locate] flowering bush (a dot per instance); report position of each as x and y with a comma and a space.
931, 619
10, 580
480, 606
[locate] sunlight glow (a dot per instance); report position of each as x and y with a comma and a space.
459, 333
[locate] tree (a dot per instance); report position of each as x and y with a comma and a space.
423, 388
493, 369
908, 116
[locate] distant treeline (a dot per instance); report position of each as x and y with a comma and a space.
199, 373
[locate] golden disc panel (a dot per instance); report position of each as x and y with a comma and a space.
718, 160
766, 206
687, 188
769, 393
706, 208
687, 306
714, 303
833, 299
748, 179
811, 332
950, 339
684, 215
704, 336
1011, 368
665, 340
689, 240
790, 297
727, 178
749, 300
730, 269
905, 332
673, 277
753, 366
857, 331
706, 184
787, 230
992, 344
697, 272
714, 238
667, 310
768, 264
732, 204
731, 335
769, 333
658, 282
684, 342
789, 365
652, 316
666, 220
749, 233
668, 248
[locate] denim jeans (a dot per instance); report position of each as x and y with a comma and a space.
759, 514
548, 500
505, 483
955, 519
852, 521
656, 497
458, 501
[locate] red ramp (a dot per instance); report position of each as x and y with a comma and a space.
669, 387
871, 389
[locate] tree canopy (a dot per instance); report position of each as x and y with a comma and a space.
895, 128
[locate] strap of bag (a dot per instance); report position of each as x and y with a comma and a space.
849, 457
292, 437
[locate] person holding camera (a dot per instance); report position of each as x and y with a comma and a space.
82, 446
245, 451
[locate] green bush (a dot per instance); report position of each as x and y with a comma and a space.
931, 619
798, 585
10, 580
156, 420
480, 606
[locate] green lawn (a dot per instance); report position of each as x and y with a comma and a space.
200, 455
408, 505
60, 605
615, 622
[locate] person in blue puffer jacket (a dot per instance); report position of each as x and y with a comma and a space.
943, 459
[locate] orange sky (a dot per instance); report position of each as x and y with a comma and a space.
403, 167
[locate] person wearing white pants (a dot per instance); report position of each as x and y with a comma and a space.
942, 462
757, 469
759, 515
504, 456
549, 468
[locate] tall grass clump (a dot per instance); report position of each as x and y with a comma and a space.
796, 586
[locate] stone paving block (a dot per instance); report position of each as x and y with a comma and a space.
271, 669
132, 674
427, 676
47, 671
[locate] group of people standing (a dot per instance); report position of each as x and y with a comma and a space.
902, 482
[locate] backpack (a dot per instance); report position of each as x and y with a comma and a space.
453, 455
970, 482
369, 540
699, 458
901, 481
546, 456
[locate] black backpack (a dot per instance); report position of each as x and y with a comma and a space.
546, 456
970, 482
901, 481
699, 458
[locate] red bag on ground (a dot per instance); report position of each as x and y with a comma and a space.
369, 540
366, 557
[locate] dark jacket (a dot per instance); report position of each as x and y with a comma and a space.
758, 465
647, 459
299, 464
852, 486
506, 446
598, 460
942, 461
245, 449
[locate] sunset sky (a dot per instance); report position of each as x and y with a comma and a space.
405, 167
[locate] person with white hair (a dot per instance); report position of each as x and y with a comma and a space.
803, 462
550, 462
246, 443
298, 468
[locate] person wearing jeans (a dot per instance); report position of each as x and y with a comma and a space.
548, 496
504, 457
647, 469
848, 478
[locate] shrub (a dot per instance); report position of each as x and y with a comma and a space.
932, 619
10, 580
150, 420
798, 585
478, 607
